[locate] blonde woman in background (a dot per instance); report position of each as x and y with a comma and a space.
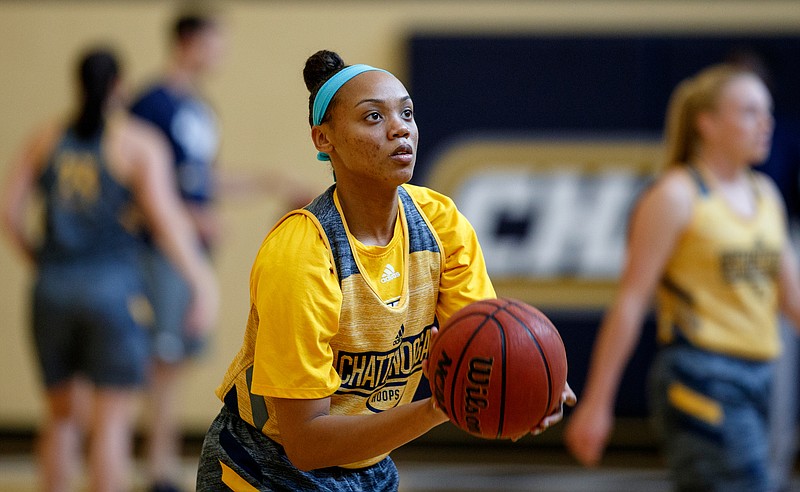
709, 238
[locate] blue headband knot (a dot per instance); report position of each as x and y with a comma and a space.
329, 89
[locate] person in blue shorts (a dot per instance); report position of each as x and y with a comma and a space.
709, 239
96, 171
345, 297
176, 105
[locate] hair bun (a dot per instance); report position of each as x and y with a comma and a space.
319, 67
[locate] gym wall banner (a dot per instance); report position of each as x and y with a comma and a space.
551, 215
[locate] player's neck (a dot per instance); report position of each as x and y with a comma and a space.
722, 169
371, 219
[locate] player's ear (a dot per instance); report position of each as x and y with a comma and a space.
319, 136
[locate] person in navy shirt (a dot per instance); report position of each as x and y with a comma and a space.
175, 105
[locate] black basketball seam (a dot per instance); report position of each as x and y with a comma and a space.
457, 367
504, 375
503, 372
544, 359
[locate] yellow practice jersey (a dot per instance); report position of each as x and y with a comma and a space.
719, 291
331, 317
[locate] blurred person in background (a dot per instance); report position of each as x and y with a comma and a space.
709, 237
96, 171
176, 106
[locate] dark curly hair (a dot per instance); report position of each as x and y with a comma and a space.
319, 67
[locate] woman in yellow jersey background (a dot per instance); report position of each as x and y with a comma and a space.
346, 295
709, 238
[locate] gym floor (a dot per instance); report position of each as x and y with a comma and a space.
433, 469
442, 464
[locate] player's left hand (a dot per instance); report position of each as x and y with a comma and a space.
568, 397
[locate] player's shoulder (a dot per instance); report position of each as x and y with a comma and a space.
133, 144
430, 201
294, 234
674, 186
441, 212
669, 199
44, 138
295, 243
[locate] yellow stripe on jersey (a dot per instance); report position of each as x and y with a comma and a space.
234, 481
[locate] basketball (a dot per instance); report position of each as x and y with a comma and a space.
497, 368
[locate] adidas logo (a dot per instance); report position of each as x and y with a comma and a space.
389, 273
399, 337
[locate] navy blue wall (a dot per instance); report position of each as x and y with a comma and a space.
569, 84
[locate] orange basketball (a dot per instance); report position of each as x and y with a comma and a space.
497, 368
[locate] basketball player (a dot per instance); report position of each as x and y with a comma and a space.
710, 238
89, 309
345, 297
175, 105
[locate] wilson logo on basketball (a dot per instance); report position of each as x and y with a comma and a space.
475, 393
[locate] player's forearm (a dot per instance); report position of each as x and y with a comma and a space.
615, 343
335, 440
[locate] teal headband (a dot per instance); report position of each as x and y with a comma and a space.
329, 89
